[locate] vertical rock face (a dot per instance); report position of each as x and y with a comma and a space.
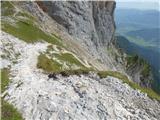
103, 20
91, 22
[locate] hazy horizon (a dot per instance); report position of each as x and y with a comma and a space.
140, 5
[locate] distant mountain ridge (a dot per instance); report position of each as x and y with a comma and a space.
150, 35
140, 18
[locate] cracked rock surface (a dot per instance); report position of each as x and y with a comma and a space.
70, 98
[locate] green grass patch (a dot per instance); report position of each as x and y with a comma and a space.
48, 64
69, 58
51, 66
4, 79
24, 29
29, 32
9, 112
104, 74
124, 78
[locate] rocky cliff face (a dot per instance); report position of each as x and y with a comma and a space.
91, 22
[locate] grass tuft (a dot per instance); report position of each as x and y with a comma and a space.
9, 112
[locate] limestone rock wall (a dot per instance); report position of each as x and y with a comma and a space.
91, 22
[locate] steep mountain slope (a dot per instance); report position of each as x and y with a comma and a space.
73, 97
35, 45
